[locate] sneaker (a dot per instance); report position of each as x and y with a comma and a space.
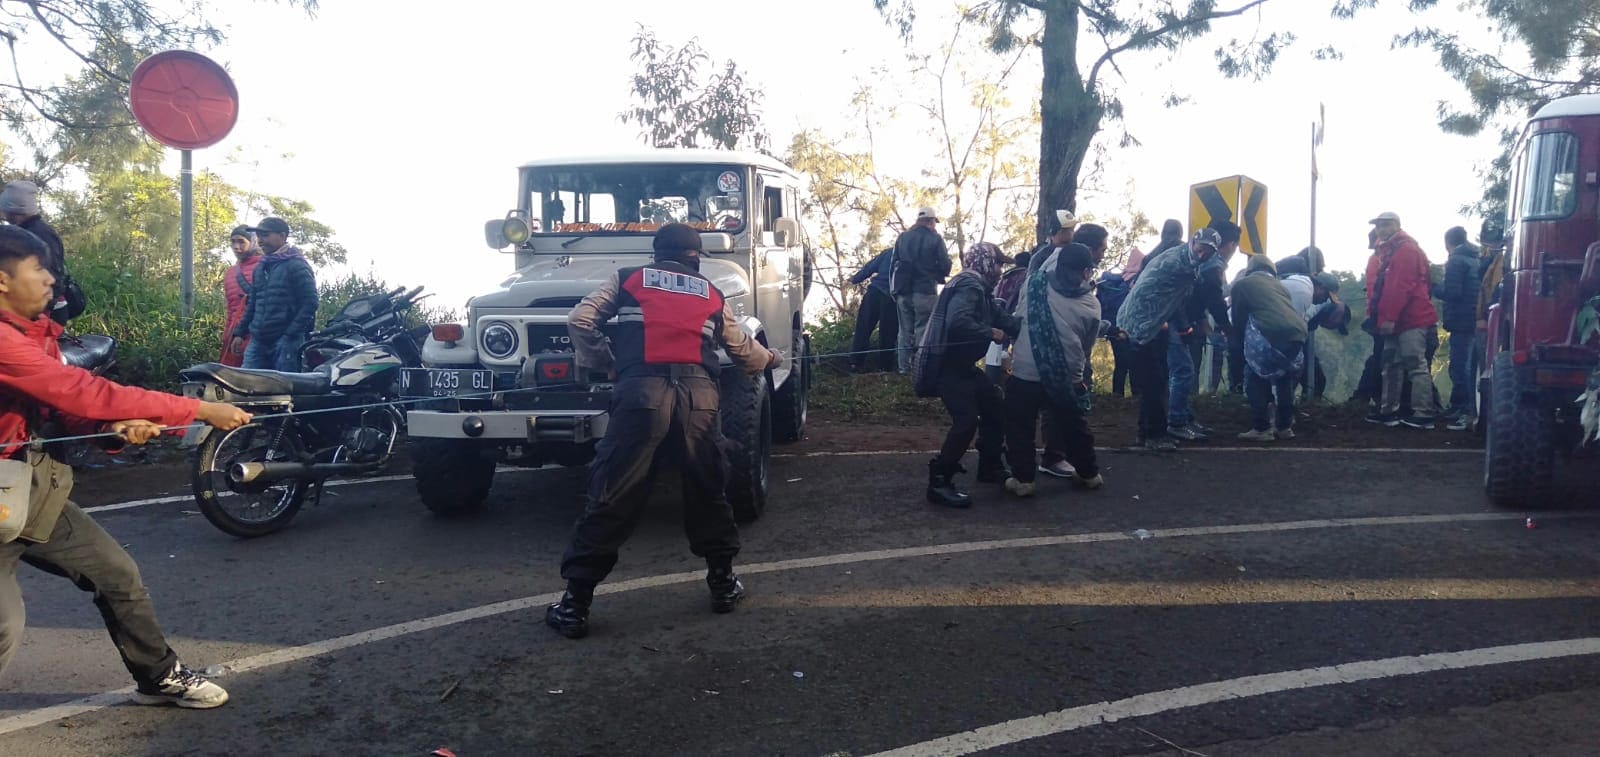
1058, 469
1257, 436
1461, 423
1161, 444
1424, 422
1200, 428
1384, 419
185, 688
1019, 488
1185, 433
1284, 434
1091, 483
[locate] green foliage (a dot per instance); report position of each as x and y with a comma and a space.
143, 313
1079, 42
675, 108
85, 117
1548, 49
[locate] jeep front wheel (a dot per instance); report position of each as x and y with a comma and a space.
453, 477
789, 405
745, 412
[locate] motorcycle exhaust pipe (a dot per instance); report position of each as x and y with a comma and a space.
264, 473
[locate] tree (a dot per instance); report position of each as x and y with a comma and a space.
1074, 102
108, 38
1554, 52
674, 108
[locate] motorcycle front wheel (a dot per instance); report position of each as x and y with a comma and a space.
253, 509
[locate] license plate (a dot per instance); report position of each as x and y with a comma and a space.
444, 382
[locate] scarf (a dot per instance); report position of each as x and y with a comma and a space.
983, 259
1045, 343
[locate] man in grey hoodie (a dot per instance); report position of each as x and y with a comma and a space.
1049, 369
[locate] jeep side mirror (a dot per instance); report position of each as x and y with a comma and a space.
494, 234
718, 242
788, 232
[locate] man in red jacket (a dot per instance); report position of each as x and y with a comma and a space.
1403, 313
236, 290
37, 391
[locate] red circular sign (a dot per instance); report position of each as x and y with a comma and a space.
183, 99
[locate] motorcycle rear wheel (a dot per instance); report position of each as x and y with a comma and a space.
247, 510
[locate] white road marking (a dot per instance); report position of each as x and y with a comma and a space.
1184, 450
290, 654
1075, 718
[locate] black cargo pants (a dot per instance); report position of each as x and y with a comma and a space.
655, 418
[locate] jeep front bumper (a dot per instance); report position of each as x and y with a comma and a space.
519, 426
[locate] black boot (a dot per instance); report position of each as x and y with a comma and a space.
726, 590
942, 489
570, 616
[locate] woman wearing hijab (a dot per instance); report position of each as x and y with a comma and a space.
964, 323
236, 288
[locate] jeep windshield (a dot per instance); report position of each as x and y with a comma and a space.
627, 199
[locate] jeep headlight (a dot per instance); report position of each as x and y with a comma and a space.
516, 230
500, 340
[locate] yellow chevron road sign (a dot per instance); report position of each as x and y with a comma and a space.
1239, 199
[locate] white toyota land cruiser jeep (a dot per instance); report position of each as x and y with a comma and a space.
509, 389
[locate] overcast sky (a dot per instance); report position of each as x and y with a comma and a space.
404, 126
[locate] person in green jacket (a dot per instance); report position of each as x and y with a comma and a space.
1275, 340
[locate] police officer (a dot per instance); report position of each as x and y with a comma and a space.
662, 355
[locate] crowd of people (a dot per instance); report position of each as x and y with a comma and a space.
1033, 327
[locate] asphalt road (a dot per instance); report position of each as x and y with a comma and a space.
1283, 603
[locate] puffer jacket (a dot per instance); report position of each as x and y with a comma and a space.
1459, 290
283, 298
1261, 298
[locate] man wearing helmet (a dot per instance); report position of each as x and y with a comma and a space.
662, 353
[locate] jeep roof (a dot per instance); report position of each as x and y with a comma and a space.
688, 156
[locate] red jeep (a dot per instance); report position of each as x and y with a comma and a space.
1537, 361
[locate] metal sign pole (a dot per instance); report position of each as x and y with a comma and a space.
1311, 351
186, 222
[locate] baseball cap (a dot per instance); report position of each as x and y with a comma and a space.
1208, 237
926, 212
1386, 216
270, 225
1064, 220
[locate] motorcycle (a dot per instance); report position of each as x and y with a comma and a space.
337, 419
97, 354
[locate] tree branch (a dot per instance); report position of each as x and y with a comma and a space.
1146, 37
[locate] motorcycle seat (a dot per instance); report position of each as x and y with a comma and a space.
88, 351
258, 382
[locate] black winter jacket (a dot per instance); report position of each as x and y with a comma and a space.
283, 298
1459, 290
969, 317
921, 262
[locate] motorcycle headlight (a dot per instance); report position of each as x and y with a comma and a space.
500, 340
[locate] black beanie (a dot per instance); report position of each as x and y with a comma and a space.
671, 240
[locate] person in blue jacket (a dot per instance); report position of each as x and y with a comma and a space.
877, 311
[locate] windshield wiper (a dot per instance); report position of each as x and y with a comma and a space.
572, 241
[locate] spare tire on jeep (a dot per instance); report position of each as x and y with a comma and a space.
746, 417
